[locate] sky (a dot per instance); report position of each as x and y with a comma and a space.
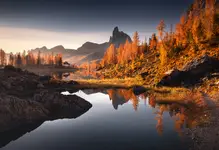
27, 24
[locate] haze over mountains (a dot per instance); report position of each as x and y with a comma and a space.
88, 51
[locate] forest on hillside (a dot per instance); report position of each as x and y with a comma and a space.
196, 32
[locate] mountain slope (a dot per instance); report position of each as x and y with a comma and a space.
88, 51
97, 52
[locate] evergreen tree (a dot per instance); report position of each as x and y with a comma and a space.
19, 60
161, 29
39, 58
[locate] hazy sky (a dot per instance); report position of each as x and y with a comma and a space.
27, 24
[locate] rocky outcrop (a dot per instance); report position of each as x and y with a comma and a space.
172, 78
119, 37
192, 72
201, 66
24, 100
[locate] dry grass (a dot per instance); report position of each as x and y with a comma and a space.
187, 98
127, 82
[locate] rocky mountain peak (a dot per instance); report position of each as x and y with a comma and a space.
115, 31
118, 37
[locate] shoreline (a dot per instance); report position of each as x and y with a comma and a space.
25, 100
36, 102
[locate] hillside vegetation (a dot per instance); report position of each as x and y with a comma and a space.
196, 35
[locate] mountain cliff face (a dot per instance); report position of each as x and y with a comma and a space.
88, 51
119, 37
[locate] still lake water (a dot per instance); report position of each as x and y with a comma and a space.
118, 120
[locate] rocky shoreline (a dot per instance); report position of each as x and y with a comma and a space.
206, 136
26, 100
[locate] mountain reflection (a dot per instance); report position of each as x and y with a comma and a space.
121, 96
183, 116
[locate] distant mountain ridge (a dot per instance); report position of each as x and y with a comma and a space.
89, 51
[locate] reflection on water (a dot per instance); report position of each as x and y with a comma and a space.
81, 74
118, 120
67, 75
10, 135
183, 116
121, 96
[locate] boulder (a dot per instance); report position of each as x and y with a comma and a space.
192, 72
172, 77
201, 66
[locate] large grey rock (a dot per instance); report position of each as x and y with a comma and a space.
202, 65
172, 78
192, 72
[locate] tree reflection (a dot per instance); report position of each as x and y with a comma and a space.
159, 118
184, 116
180, 121
152, 101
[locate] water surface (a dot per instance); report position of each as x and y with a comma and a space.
118, 120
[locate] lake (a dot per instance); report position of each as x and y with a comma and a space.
66, 74
118, 120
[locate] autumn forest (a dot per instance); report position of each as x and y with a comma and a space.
193, 34
156, 89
